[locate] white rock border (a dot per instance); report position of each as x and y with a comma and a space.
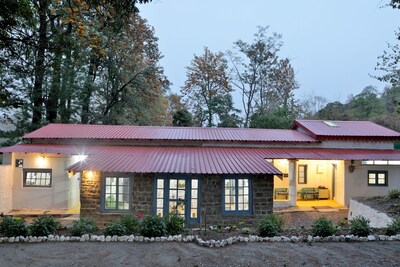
197, 240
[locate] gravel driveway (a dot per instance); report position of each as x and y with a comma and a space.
188, 254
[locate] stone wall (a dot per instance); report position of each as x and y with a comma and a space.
211, 201
142, 197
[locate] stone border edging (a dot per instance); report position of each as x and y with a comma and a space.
199, 241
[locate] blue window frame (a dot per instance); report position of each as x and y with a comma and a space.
177, 193
236, 195
116, 193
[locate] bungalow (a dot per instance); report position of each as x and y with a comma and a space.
213, 175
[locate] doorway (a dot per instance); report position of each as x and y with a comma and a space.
334, 171
177, 194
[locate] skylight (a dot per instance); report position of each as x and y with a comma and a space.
331, 123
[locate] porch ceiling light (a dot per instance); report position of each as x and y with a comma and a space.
82, 157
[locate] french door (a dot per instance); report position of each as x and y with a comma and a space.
177, 194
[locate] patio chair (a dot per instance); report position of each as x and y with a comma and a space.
284, 192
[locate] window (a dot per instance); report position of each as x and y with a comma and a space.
37, 177
117, 196
380, 162
302, 174
236, 195
378, 178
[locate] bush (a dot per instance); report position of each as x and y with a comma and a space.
153, 226
393, 193
175, 224
131, 223
13, 226
115, 228
393, 228
359, 226
270, 225
44, 225
323, 227
84, 225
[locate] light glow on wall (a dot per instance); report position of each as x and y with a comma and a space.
41, 161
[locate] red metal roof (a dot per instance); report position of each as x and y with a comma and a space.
86, 131
319, 129
197, 160
192, 160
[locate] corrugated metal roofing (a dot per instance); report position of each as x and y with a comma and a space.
197, 160
85, 131
345, 129
192, 160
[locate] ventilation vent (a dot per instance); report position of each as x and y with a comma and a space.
330, 123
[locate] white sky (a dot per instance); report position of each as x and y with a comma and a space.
333, 45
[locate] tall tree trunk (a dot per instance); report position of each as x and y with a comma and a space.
37, 94
54, 94
88, 89
68, 78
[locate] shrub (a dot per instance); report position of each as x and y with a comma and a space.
115, 228
153, 226
44, 225
131, 223
393, 193
359, 226
84, 225
270, 225
175, 224
13, 226
393, 228
323, 227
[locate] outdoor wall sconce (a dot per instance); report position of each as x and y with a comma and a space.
351, 166
41, 160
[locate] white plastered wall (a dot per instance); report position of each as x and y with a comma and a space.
58, 196
357, 181
6, 184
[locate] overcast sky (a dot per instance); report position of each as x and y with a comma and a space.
333, 45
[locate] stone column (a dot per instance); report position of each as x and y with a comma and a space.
292, 183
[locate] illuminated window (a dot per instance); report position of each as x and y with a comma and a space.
117, 194
37, 177
177, 194
236, 195
378, 178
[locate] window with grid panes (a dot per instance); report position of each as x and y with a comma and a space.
378, 178
236, 195
116, 194
37, 177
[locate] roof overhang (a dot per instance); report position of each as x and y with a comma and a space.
196, 160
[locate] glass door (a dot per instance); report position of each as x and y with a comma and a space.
178, 194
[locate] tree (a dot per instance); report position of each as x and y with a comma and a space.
334, 111
183, 118
311, 105
366, 105
207, 80
266, 82
277, 119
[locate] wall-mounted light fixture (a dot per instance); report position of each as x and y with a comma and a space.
41, 160
351, 166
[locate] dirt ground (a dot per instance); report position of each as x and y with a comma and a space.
189, 254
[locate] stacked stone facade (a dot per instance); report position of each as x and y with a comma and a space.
211, 202
211, 212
